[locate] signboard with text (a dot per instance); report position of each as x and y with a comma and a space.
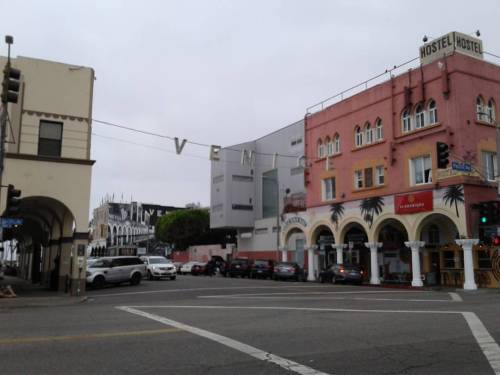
413, 203
449, 43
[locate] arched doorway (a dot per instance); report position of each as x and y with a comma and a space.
394, 260
295, 244
324, 239
356, 252
442, 259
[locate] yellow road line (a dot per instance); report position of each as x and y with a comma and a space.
29, 340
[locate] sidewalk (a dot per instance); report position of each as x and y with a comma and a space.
34, 295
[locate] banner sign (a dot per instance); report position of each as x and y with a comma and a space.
414, 202
449, 43
9, 222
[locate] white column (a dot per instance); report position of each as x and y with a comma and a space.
284, 256
415, 261
310, 264
467, 244
340, 252
373, 246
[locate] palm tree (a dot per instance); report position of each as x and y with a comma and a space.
371, 207
453, 196
337, 211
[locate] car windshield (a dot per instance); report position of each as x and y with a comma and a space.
286, 264
261, 262
158, 261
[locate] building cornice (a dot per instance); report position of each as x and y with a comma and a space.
10, 155
55, 115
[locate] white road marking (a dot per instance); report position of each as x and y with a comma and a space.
455, 297
311, 293
488, 345
327, 298
233, 344
202, 289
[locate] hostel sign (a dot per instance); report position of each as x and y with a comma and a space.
449, 43
413, 203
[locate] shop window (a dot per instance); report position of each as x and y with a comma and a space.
481, 114
380, 176
321, 149
368, 133
358, 179
433, 115
419, 117
490, 111
421, 170
406, 121
328, 189
483, 259
336, 144
379, 130
368, 177
50, 138
489, 160
359, 136
449, 259
329, 146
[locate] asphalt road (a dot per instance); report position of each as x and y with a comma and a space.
202, 325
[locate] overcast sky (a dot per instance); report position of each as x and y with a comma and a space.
219, 72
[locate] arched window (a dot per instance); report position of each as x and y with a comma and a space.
368, 133
115, 240
406, 120
490, 110
480, 110
359, 136
433, 114
419, 117
379, 130
329, 146
321, 149
336, 144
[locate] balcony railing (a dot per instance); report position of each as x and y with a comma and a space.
294, 203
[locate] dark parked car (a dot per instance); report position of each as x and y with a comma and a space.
342, 273
240, 267
198, 269
289, 271
262, 269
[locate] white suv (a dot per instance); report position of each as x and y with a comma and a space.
159, 267
115, 270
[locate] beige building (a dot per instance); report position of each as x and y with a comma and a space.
48, 159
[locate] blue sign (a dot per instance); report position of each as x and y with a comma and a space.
8, 222
461, 167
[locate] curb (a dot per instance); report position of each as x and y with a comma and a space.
26, 302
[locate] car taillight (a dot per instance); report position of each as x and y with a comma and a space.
361, 272
342, 270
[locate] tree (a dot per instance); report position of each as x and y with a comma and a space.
453, 196
187, 227
370, 207
337, 211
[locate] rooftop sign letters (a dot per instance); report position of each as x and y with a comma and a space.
296, 220
413, 203
449, 43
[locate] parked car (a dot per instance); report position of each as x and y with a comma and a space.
240, 267
186, 267
220, 265
289, 271
262, 268
198, 269
115, 270
178, 266
342, 273
158, 267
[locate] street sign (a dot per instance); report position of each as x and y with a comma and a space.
9, 222
461, 167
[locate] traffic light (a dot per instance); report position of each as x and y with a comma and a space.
483, 213
13, 200
495, 240
11, 84
443, 153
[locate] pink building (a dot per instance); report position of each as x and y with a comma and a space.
375, 193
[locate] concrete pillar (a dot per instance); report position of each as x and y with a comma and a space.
466, 245
415, 262
374, 246
77, 275
65, 264
310, 264
284, 256
340, 252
